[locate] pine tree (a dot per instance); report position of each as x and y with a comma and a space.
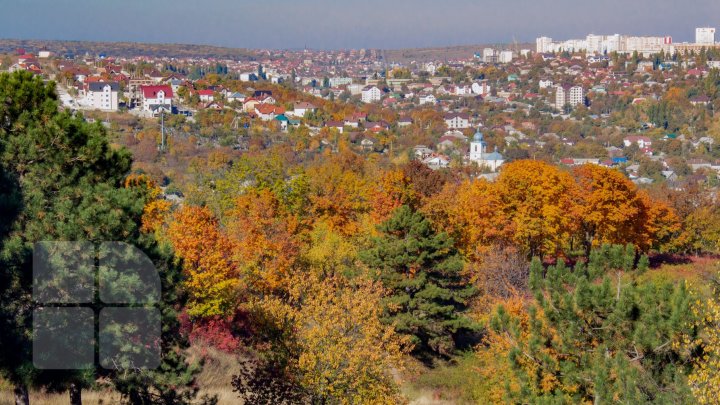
422, 269
62, 181
588, 340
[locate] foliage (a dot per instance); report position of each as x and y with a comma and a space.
587, 340
63, 181
423, 271
213, 282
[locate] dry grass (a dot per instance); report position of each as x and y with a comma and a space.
698, 272
40, 398
214, 380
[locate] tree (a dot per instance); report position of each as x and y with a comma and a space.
423, 272
608, 206
61, 180
346, 351
264, 241
587, 340
472, 214
705, 378
212, 276
537, 198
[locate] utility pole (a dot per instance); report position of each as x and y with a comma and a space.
162, 130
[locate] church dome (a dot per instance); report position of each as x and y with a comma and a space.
478, 136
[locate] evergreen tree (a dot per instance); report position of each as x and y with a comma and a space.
422, 270
587, 340
62, 181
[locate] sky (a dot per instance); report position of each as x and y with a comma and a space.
343, 24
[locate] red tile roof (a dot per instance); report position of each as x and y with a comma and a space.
152, 91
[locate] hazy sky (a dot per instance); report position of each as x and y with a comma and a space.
349, 23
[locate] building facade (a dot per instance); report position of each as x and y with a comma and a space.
479, 155
371, 94
156, 99
103, 96
705, 35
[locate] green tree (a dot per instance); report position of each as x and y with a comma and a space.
62, 181
587, 340
422, 270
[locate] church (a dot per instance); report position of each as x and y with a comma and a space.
478, 153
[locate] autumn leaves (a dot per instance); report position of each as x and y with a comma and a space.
544, 210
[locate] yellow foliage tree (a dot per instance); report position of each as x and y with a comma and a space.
213, 280
264, 241
705, 379
537, 197
346, 352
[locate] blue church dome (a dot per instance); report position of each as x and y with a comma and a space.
478, 136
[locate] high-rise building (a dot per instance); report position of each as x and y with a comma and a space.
705, 35
543, 44
577, 96
489, 55
505, 57
566, 94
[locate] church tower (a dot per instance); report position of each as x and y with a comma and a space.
477, 147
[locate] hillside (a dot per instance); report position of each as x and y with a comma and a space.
127, 49
443, 53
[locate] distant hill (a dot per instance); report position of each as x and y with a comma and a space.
127, 49
131, 49
444, 53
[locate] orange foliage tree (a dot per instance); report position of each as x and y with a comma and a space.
213, 281
264, 240
537, 198
393, 190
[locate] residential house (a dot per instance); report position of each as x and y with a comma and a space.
267, 112
428, 99
156, 99
206, 96
371, 94
103, 96
302, 108
457, 121
339, 125
236, 96
642, 142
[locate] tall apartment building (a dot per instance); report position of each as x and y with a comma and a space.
543, 44
566, 94
505, 57
705, 36
605, 44
489, 55
103, 95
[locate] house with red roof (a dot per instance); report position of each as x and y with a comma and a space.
156, 99
267, 112
206, 96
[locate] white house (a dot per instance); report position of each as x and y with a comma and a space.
545, 83
303, 108
236, 96
436, 162
481, 88
371, 94
457, 121
641, 141
428, 99
248, 77
103, 96
156, 98
206, 96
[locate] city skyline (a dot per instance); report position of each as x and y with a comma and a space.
324, 24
